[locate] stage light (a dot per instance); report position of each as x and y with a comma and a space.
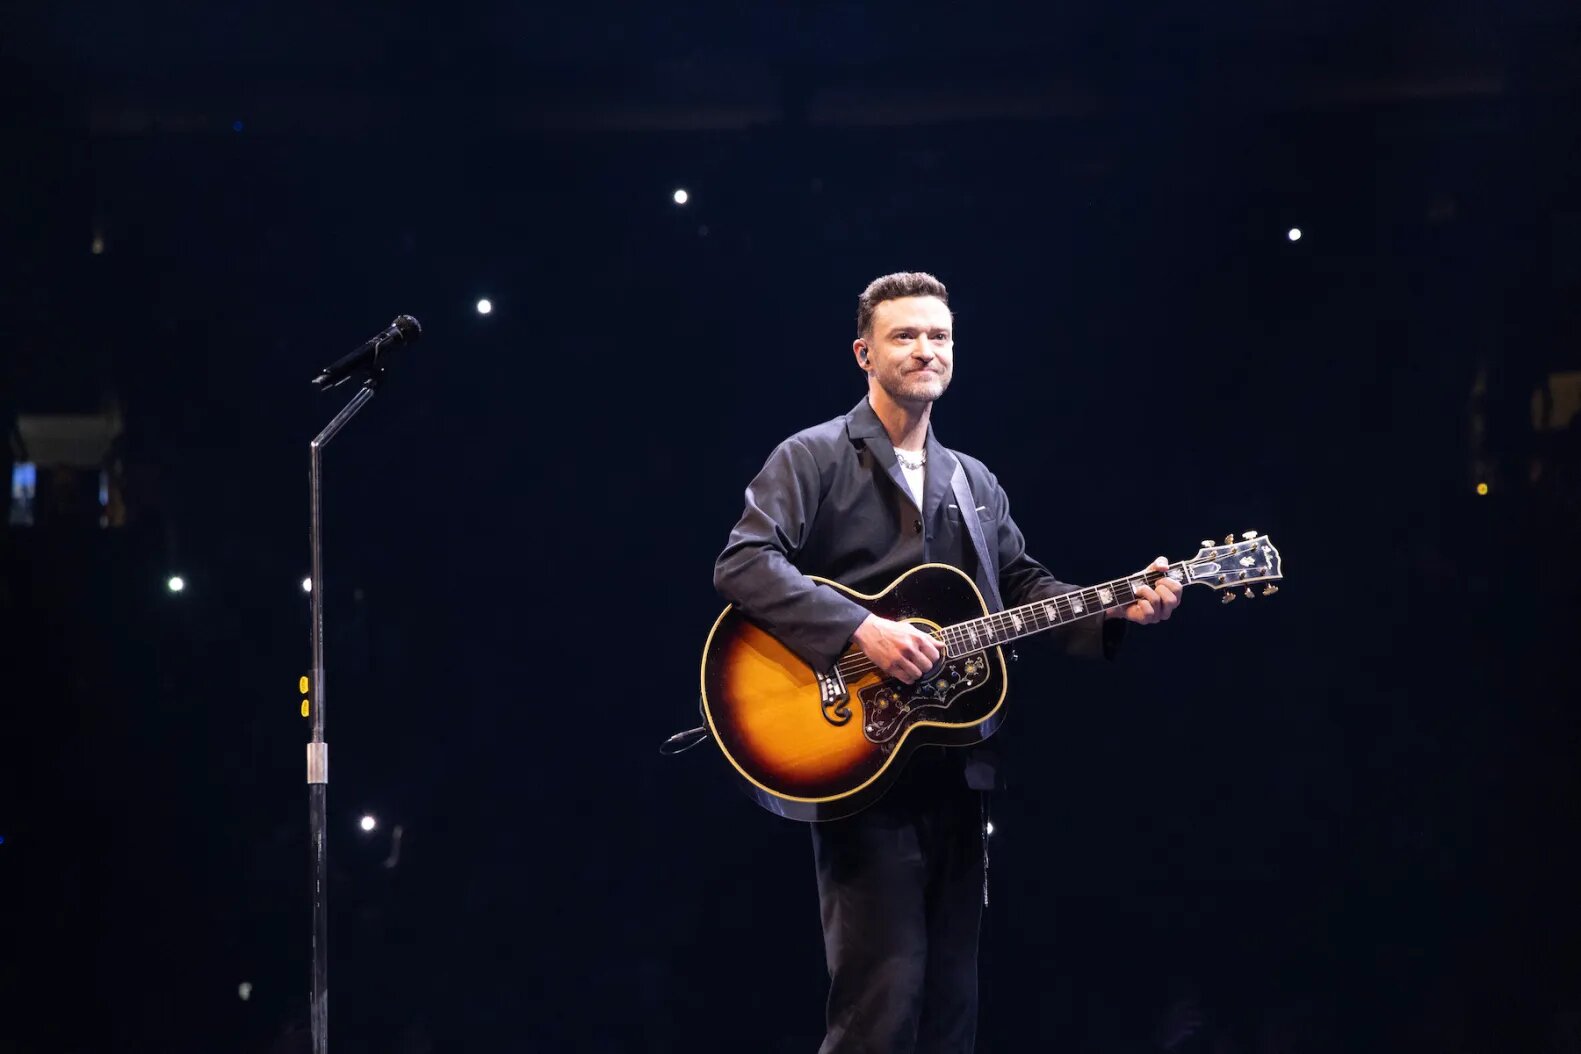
307, 585
485, 306
245, 990
97, 245
1295, 234
990, 828
368, 823
176, 584
237, 126
681, 197
1482, 488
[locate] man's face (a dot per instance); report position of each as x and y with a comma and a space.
911, 351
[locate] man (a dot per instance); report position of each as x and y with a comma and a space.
859, 500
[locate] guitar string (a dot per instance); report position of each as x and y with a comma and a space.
858, 664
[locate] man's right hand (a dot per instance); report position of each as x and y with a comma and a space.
899, 649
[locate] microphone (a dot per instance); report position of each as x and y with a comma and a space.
366, 359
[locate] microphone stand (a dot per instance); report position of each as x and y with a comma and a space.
318, 750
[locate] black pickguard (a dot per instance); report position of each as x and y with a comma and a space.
890, 706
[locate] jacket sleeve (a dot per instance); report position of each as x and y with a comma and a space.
757, 571
1023, 580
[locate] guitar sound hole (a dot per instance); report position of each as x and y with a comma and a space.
943, 660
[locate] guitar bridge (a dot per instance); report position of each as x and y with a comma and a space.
834, 698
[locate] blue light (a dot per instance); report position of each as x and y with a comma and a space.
236, 126
2, 839
24, 487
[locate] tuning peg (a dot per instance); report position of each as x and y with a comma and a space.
1227, 598
1229, 539
1249, 593
1269, 591
1249, 535
1207, 543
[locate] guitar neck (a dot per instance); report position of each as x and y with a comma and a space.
1003, 627
1232, 566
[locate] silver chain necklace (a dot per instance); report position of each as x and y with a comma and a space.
907, 463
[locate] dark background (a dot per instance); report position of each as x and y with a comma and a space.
1343, 818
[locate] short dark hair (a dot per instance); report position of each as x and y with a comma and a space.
893, 287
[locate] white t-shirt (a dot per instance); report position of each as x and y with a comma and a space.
914, 476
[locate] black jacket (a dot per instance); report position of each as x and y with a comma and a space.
831, 501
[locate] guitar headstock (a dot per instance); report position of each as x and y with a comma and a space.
1235, 565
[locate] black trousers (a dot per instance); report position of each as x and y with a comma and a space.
900, 886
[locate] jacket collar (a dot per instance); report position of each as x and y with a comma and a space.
862, 424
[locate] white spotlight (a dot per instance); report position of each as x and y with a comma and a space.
1295, 234
681, 197
990, 828
176, 584
485, 306
369, 823
307, 585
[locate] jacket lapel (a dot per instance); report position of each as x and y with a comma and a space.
862, 424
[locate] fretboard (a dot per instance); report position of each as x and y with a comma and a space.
1002, 627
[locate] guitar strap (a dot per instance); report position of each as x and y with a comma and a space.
968, 506
684, 741
982, 775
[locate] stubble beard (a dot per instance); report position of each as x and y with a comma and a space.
915, 390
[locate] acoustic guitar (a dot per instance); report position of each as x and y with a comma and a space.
821, 744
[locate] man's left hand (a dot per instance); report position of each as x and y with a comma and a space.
1153, 603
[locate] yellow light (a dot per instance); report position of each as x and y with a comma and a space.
301, 686
304, 708
1482, 488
